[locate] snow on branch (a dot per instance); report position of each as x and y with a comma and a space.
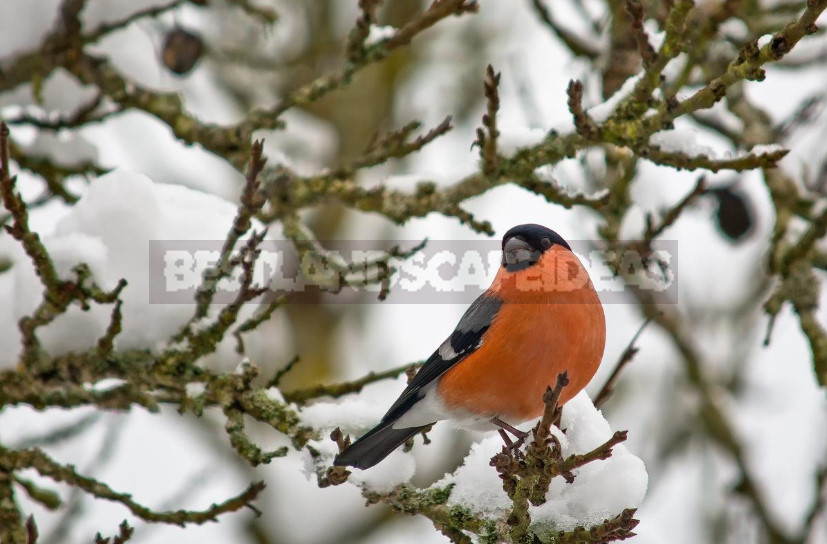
573, 485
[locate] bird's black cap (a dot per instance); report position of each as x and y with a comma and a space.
525, 244
537, 236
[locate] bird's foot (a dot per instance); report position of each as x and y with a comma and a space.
504, 429
511, 447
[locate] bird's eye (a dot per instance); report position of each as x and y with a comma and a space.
517, 252
546, 241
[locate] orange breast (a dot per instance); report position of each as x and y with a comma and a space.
552, 321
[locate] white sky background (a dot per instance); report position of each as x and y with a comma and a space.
781, 416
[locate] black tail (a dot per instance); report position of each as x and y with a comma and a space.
377, 444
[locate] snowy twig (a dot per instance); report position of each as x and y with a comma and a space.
619, 527
601, 452
58, 294
527, 477
56, 300
22, 388
802, 248
399, 207
233, 392
436, 11
642, 248
231, 142
647, 52
202, 339
205, 339
747, 66
431, 504
54, 174
684, 161
584, 124
252, 200
14, 203
530, 474
234, 427
801, 287
792, 262
14, 460
334, 475
453, 521
315, 90
639, 100
355, 47
289, 191
487, 137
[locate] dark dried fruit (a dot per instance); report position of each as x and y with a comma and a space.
182, 50
734, 214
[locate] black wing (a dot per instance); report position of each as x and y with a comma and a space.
466, 338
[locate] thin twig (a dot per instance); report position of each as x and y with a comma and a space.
336, 390
625, 358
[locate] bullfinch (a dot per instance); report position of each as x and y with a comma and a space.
540, 317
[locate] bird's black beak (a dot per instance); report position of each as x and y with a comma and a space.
518, 254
